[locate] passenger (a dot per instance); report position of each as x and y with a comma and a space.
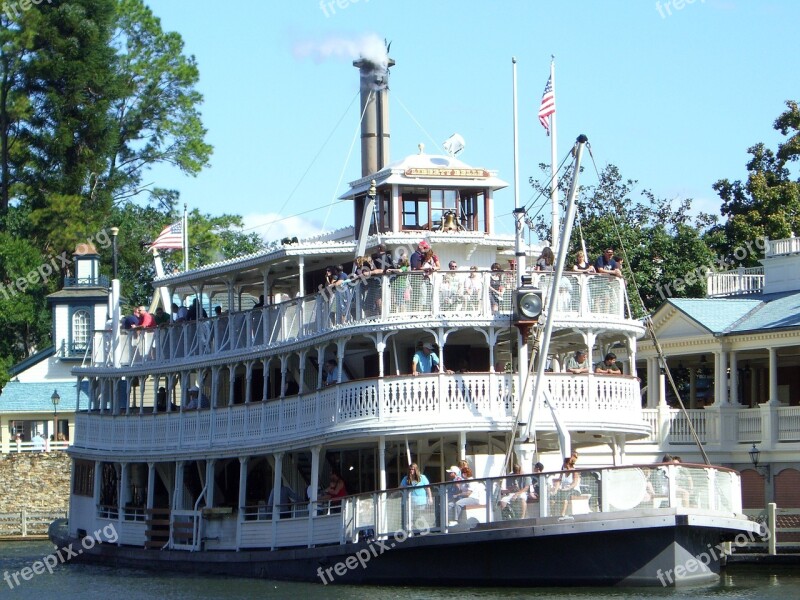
260, 303
420, 497
581, 265
605, 263
285, 501
383, 260
426, 361
401, 291
131, 321
161, 317
565, 486
146, 320
513, 502
453, 489
533, 489
608, 365
577, 363
332, 373
472, 493
335, 490
545, 260
193, 395
496, 287
473, 290
180, 313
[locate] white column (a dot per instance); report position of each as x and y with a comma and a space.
151, 484
248, 392
277, 481
231, 383
382, 462
773, 376
177, 497
243, 464
210, 467
722, 377
734, 391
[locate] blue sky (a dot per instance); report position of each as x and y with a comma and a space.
673, 93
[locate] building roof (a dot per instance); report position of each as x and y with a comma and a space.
18, 397
715, 314
775, 311
31, 360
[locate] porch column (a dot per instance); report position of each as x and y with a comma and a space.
265, 387
734, 391
248, 392
151, 484
301, 385
243, 464
722, 377
773, 376
231, 383
381, 347
462, 445
382, 462
652, 383
314, 483
178, 495
124, 489
277, 481
211, 464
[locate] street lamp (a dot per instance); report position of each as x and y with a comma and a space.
755, 453
55, 398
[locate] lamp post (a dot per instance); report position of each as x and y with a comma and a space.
755, 453
55, 398
114, 233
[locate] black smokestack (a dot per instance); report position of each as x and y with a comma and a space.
374, 73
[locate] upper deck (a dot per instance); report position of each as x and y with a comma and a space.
393, 301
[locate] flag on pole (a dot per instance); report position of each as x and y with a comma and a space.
548, 105
170, 238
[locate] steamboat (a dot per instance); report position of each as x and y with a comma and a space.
206, 445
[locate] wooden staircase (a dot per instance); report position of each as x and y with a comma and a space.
157, 530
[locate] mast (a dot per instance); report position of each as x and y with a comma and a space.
553, 161
529, 431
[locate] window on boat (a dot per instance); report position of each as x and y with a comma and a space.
415, 209
80, 330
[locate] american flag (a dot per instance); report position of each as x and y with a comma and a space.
548, 105
171, 237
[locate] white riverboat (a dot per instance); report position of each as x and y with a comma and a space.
190, 426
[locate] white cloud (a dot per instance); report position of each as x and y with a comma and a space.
272, 226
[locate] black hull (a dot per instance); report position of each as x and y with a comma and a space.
660, 554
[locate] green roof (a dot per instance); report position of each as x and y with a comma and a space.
716, 314
36, 397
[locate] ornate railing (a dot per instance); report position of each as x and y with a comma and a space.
443, 401
740, 281
444, 295
781, 247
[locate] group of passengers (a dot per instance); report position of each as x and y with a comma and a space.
606, 263
579, 363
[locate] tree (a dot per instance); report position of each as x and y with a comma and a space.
658, 239
71, 79
156, 117
767, 204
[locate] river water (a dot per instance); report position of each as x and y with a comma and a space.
90, 582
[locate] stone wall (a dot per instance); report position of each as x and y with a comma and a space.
34, 481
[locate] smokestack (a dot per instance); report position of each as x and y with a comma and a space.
375, 108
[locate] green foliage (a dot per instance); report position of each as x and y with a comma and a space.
767, 204
659, 240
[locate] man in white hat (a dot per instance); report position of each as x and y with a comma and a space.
425, 360
192, 396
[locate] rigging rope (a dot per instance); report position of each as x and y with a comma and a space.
648, 323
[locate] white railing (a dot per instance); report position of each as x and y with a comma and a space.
28, 522
449, 401
741, 281
780, 247
749, 426
43, 446
380, 514
443, 295
789, 423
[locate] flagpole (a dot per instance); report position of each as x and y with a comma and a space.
518, 212
553, 161
185, 239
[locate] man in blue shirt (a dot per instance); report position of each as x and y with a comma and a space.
605, 263
425, 360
